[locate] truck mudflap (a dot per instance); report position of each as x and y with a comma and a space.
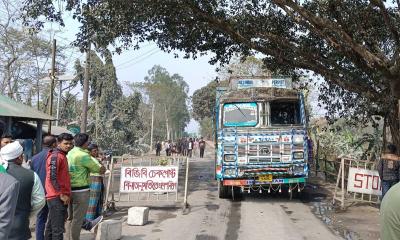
252, 182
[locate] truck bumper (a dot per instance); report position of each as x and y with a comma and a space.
250, 182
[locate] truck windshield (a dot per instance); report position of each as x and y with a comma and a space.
285, 112
240, 114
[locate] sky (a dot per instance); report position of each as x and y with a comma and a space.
133, 65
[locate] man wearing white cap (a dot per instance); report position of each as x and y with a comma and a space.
30, 195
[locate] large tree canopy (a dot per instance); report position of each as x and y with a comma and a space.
353, 44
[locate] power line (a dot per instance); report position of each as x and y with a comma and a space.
141, 60
135, 58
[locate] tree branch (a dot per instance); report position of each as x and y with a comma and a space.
387, 20
312, 59
323, 25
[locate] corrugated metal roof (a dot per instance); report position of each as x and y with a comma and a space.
55, 130
11, 108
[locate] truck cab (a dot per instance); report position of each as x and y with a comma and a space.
261, 136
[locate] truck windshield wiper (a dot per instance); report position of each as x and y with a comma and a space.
240, 110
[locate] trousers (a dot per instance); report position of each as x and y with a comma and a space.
76, 214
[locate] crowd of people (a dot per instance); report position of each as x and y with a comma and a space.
61, 187
182, 147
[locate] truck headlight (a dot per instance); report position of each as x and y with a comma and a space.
298, 155
298, 169
230, 171
229, 157
298, 139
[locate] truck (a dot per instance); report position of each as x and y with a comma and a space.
261, 137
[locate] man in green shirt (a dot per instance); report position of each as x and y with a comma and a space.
80, 165
390, 214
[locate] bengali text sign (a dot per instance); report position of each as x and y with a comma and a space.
149, 179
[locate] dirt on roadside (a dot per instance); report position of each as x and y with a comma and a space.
359, 221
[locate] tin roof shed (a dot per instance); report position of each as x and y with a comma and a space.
12, 111
12, 108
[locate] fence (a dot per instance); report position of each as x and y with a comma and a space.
367, 182
113, 193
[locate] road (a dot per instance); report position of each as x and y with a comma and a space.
256, 216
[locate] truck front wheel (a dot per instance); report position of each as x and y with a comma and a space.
223, 191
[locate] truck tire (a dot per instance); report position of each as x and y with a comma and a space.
236, 194
223, 191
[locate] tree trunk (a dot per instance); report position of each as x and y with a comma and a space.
394, 126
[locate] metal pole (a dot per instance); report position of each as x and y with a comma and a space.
58, 103
52, 78
185, 204
152, 126
85, 92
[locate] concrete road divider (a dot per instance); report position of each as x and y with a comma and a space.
109, 230
138, 216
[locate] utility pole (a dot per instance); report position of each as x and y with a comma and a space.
58, 102
152, 126
166, 121
52, 79
85, 92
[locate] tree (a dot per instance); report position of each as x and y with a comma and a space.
24, 58
353, 45
203, 101
168, 93
113, 118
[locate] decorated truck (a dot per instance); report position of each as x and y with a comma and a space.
261, 137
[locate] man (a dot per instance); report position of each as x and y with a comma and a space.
38, 165
58, 186
158, 148
5, 139
93, 214
30, 195
190, 148
202, 146
168, 148
80, 165
9, 187
390, 214
388, 168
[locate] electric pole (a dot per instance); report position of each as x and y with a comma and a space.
152, 126
52, 79
85, 92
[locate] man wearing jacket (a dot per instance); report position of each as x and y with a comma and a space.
38, 165
58, 187
389, 168
30, 195
80, 165
9, 188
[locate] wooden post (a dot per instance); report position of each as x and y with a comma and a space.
39, 135
52, 79
343, 190
8, 125
58, 103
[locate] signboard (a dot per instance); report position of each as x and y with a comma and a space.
364, 181
268, 82
149, 179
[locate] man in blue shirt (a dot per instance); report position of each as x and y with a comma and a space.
38, 165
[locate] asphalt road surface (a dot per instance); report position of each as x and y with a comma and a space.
255, 216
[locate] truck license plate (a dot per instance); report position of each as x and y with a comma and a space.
265, 178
